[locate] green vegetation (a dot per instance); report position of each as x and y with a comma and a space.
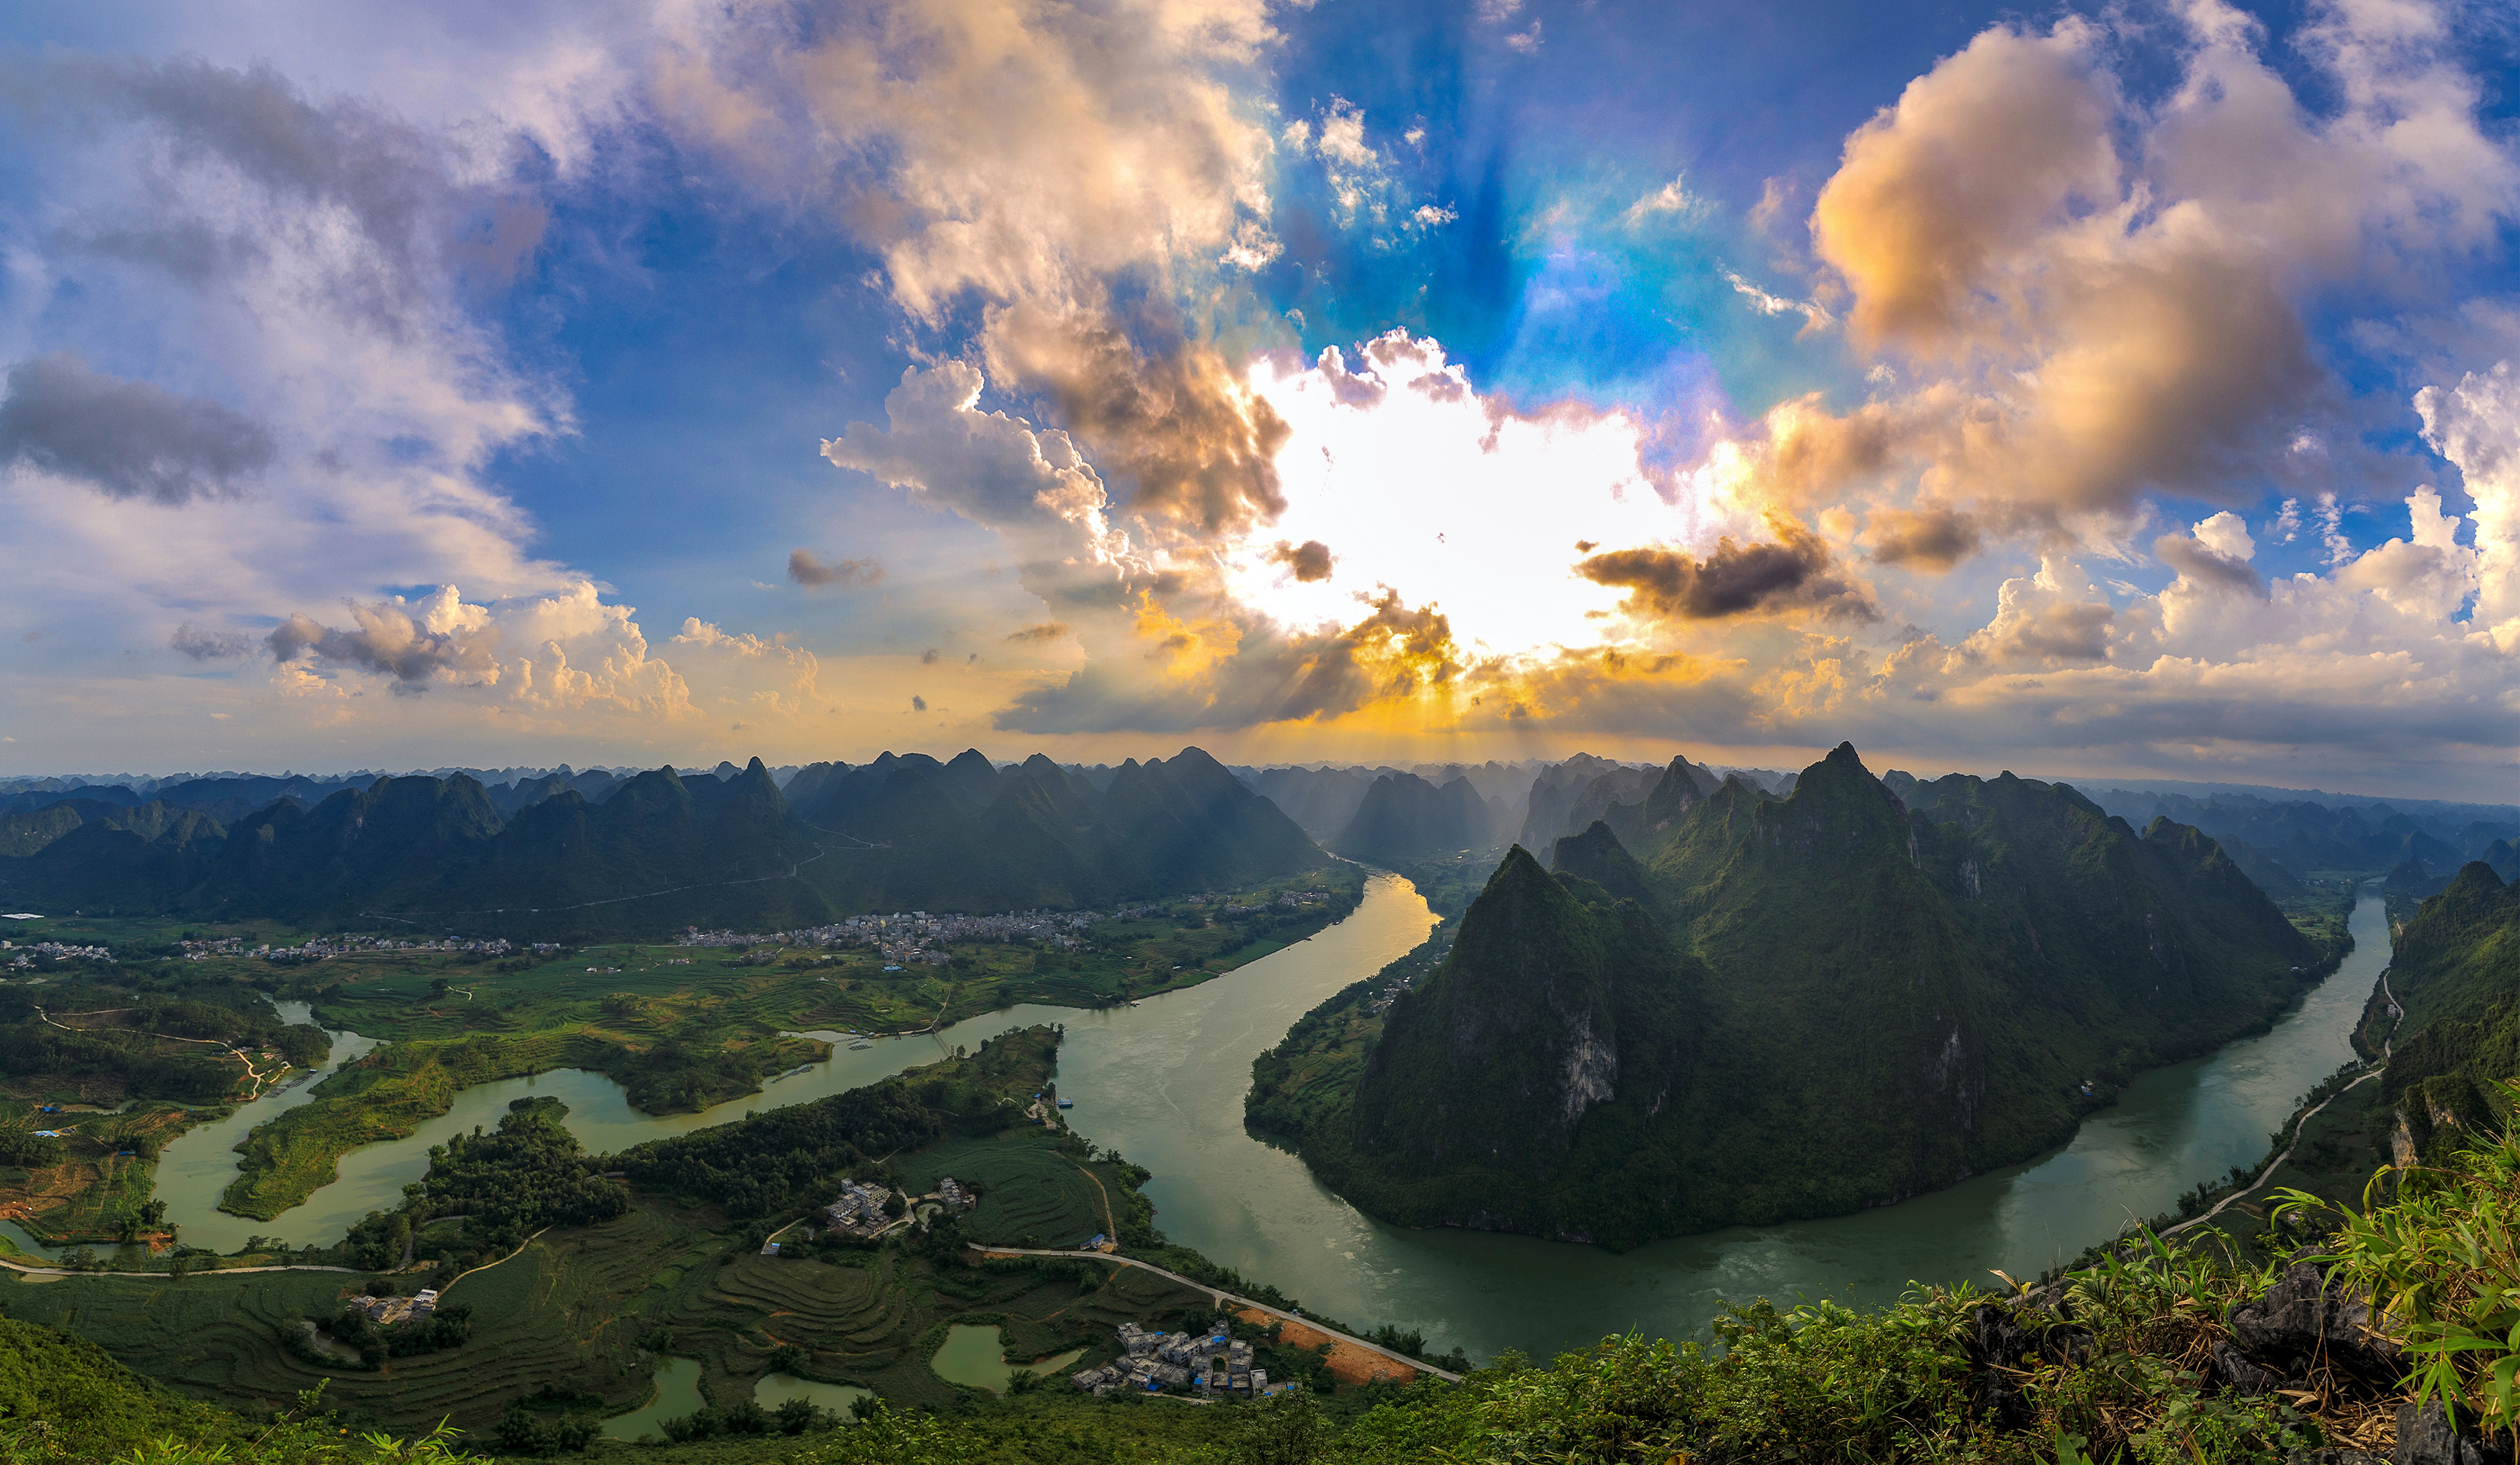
660, 853
384, 1095
1033, 1189
1634, 1047
2157, 1354
572, 1321
681, 1028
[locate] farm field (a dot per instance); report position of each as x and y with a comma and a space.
106, 1169
680, 1027
586, 1312
1031, 1194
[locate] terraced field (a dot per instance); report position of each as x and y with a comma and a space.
577, 1306
1028, 1188
554, 1314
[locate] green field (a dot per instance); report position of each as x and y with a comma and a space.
584, 1311
1030, 1193
577, 1309
680, 1028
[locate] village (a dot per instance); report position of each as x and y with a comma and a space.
326, 947
912, 936
1215, 1364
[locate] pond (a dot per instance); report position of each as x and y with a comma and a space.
775, 1389
977, 1356
678, 1392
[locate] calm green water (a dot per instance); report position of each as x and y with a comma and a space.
599, 1116
975, 1356
772, 1390
678, 1392
1164, 1083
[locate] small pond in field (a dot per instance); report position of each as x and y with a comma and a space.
678, 1392
776, 1388
975, 1356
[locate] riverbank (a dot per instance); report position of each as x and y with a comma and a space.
1166, 1084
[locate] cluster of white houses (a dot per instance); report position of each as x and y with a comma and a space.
863, 1211
389, 1310
1215, 1364
326, 947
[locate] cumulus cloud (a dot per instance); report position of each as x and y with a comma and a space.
566, 652
413, 644
2216, 555
2095, 300
323, 399
807, 569
1022, 156
1184, 429
126, 439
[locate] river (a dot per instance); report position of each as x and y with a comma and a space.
1168, 1093
1163, 1083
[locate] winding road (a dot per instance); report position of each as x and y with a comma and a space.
1223, 1297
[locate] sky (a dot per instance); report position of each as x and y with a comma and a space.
2098, 390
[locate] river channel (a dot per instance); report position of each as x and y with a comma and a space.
1163, 1082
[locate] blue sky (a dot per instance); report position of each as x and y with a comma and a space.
1990, 386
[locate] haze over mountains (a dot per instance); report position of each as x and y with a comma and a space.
658, 850
909, 831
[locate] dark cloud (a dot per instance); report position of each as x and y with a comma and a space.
126, 439
1035, 635
805, 568
204, 644
1178, 425
1309, 560
1736, 579
1931, 538
928, 658
1396, 651
2201, 566
919, 704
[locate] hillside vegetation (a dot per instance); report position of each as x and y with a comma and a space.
1776, 1008
659, 852
2159, 1354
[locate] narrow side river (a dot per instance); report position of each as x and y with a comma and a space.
1163, 1083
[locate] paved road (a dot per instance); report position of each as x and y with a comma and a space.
1223, 1297
64, 1271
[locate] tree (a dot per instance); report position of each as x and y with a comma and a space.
1282, 1429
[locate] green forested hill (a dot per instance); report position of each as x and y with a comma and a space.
660, 852
2455, 972
1790, 1007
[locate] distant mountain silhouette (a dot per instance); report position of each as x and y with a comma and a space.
1403, 817
658, 850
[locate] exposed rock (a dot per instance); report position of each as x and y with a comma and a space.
2243, 1376
2017, 1340
2333, 1454
2300, 1323
2425, 1437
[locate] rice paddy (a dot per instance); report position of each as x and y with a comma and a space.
592, 1311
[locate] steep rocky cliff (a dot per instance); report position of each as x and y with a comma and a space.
1780, 1007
